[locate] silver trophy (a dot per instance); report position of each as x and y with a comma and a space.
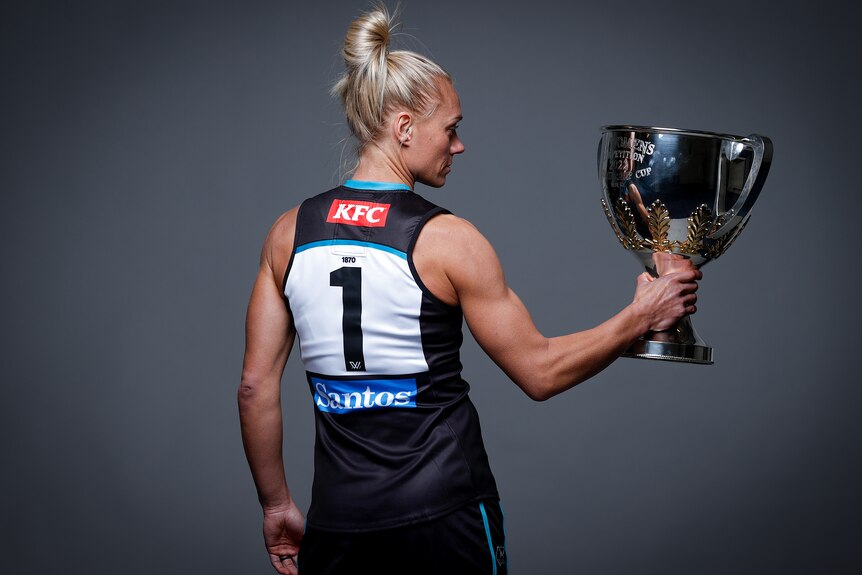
674, 194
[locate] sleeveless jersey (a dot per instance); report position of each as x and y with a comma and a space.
397, 438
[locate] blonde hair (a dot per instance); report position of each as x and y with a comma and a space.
376, 80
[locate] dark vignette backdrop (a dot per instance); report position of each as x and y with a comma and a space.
148, 146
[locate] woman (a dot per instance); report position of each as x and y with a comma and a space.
376, 280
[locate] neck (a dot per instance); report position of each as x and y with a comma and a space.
376, 165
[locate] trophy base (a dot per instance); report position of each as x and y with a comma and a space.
685, 352
680, 343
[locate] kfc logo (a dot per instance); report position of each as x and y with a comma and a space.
358, 213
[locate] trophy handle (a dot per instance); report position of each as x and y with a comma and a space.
762, 148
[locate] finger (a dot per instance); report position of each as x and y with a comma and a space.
694, 273
283, 564
687, 276
290, 562
689, 288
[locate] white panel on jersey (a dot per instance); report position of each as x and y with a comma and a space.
349, 250
391, 305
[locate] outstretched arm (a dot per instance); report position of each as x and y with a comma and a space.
269, 338
462, 268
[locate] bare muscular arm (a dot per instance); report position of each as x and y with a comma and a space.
269, 337
459, 265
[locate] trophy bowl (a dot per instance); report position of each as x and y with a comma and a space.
671, 194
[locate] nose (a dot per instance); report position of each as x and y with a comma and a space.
457, 146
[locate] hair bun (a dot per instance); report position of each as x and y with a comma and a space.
367, 39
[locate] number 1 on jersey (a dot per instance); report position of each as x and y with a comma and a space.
349, 279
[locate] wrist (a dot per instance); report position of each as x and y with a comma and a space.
279, 507
640, 317
277, 503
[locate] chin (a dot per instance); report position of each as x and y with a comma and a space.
436, 183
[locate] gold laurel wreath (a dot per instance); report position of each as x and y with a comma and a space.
658, 221
701, 224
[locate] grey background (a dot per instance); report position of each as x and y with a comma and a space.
148, 146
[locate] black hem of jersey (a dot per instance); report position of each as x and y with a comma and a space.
404, 522
435, 212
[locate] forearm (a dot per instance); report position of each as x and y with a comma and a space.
261, 424
574, 358
544, 367
569, 360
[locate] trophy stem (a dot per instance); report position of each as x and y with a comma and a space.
680, 343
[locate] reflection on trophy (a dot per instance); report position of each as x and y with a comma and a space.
671, 194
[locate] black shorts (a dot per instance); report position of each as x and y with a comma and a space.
470, 540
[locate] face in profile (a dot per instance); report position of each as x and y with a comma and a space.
435, 140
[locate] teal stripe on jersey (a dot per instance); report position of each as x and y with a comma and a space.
376, 186
372, 245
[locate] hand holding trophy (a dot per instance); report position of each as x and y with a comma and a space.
673, 194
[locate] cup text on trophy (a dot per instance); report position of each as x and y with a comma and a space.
630, 150
628, 155
635, 146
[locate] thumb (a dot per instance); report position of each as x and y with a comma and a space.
644, 279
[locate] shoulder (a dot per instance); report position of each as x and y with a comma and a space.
454, 237
278, 245
449, 227
453, 258
283, 227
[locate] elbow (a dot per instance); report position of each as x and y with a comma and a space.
536, 377
538, 389
539, 396
250, 390
545, 374
543, 393
543, 388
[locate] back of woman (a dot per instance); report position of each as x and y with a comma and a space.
398, 439
376, 282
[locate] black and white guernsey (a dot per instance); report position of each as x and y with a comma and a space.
397, 437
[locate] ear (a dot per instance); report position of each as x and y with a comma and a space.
403, 128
